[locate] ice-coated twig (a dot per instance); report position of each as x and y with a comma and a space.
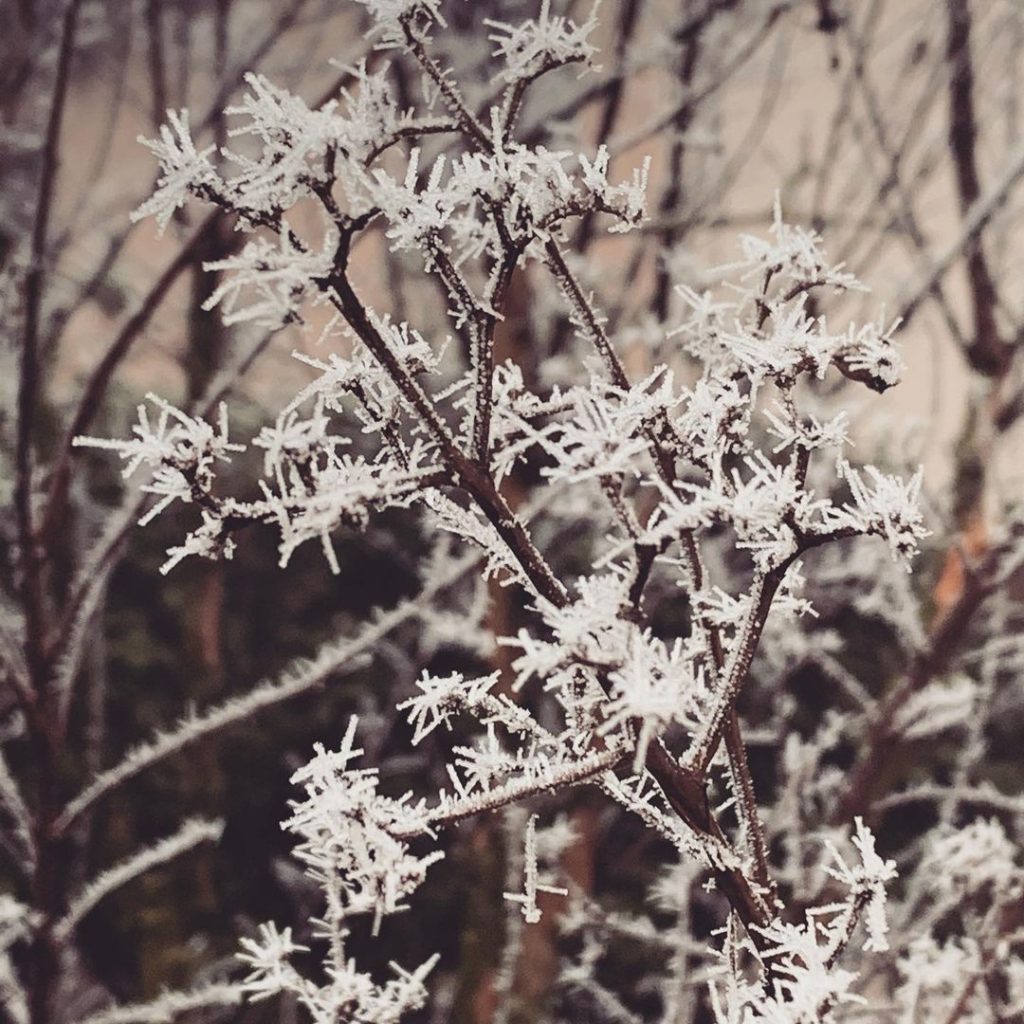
191, 834
527, 899
169, 1005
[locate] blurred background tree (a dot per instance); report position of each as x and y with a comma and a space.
894, 127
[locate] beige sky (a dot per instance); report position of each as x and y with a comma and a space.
781, 106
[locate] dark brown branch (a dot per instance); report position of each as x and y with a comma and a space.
674, 192
28, 377
685, 793
466, 472
743, 783
516, 93
987, 352
704, 746
613, 94
455, 103
437, 126
482, 320
157, 61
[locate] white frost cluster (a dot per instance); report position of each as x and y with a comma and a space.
266, 282
184, 170
530, 48
348, 995
180, 450
535, 190
348, 841
807, 982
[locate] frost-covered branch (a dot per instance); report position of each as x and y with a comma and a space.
696, 510
190, 835
169, 1005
